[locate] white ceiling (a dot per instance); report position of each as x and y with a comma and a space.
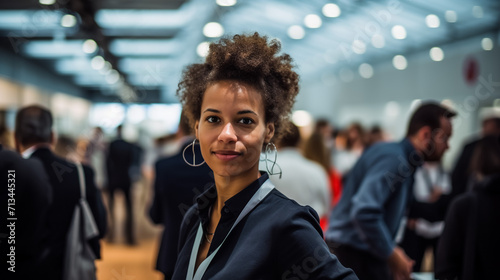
148, 43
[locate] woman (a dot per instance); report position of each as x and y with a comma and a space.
242, 228
316, 150
469, 246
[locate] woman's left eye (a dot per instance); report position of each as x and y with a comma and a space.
246, 121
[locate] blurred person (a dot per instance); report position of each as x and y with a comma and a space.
27, 187
176, 186
364, 224
427, 211
6, 139
123, 168
316, 150
95, 155
237, 101
375, 135
470, 243
303, 180
325, 129
65, 147
355, 143
34, 138
460, 178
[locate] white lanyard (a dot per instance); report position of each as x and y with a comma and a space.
261, 193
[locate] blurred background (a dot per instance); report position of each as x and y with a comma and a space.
101, 63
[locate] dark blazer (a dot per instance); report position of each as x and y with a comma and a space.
461, 173
63, 177
176, 186
278, 239
469, 246
120, 159
32, 194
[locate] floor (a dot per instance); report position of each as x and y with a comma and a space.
122, 262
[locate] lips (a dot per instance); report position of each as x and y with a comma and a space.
226, 154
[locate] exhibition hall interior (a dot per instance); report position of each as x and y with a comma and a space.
109, 69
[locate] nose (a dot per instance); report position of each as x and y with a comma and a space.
227, 134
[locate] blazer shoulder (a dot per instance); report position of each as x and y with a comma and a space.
287, 207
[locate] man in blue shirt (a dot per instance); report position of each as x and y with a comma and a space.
363, 226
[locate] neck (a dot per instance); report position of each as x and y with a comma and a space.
229, 186
419, 148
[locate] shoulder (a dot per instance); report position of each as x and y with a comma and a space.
287, 212
166, 161
463, 202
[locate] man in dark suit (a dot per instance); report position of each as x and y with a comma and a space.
34, 138
28, 188
176, 186
460, 178
123, 168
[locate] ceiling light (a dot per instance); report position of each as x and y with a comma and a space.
301, 118
89, 46
312, 21
432, 21
213, 30
399, 62
97, 62
106, 68
398, 32
296, 32
477, 11
358, 47
378, 41
112, 77
436, 54
450, 16
47, 2
487, 44
392, 109
68, 20
202, 49
226, 3
365, 70
148, 47
415, 104
331, 10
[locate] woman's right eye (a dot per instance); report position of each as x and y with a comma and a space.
212, 119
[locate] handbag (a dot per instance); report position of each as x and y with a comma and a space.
79, 262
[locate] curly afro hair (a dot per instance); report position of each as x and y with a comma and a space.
251, 59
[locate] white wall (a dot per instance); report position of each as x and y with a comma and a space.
366, 100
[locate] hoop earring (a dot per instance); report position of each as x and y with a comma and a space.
271, 148
194, 155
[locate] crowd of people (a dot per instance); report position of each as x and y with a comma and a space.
243, 193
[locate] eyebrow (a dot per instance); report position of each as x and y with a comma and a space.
239, 112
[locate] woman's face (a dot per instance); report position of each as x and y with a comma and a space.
232, 128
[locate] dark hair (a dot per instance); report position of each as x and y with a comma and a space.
291, 138
428, 114
64, 146
33, 125
486, 157
184, 126
320, 123
246, 58
358, 127
315, 150
495, 120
